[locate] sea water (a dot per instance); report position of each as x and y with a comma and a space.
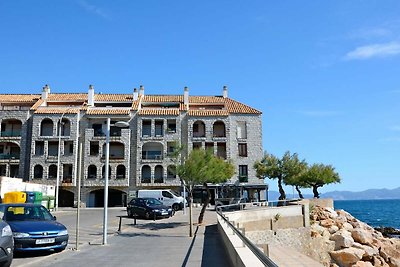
376, 213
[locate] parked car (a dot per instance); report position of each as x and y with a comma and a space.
6, 244
148, 208
34, 227
166, 196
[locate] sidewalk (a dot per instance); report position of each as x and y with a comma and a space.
163, 242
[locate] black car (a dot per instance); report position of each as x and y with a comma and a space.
34, 228
148, 208
6, 244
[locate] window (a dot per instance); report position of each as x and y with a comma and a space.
243, 171
39, 148
38, 172
171, 172
53, 148
171, 126
241, 130
53, 171
98, 129
68, 148
94, 148
92, 172
121, 172
171, 146
167, 194
243, 150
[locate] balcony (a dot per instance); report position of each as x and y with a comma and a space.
152, 155
10, 134
243, 179
9, 156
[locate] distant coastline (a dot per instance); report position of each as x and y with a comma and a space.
370, 194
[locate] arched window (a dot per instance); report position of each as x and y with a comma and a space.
38, 172
121, 172
159, 174
146, 174
103, 172
46, 127
53, 171
92, 172
199, 129
65, 127
219, 129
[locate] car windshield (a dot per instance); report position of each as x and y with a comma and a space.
152, 202
27, 213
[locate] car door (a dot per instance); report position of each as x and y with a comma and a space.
168, 198
139, 207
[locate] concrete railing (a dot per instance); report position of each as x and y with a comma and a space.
242, 252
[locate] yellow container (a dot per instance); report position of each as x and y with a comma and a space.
14, 197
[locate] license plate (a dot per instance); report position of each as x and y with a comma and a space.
45, 241
164, 213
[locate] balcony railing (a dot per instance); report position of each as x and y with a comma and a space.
243, 179
9, 156
152, 155
10, 134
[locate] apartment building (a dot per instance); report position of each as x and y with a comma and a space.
41, 136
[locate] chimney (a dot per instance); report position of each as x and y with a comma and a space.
135, 94
91, 96
45, 92
186, 97
225, 91
141, 90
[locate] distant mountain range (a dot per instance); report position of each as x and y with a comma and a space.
348, 195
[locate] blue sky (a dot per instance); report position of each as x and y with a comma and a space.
324, 74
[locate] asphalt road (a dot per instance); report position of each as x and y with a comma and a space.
90, 230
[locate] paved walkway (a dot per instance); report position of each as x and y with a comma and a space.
289, 257
163, 242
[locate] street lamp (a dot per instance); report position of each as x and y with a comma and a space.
107, 155
59, 159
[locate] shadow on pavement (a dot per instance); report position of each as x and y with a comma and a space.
33, 254
185, 261
159, 226
214, 253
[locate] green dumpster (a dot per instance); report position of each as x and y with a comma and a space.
38, 197
51, 202
45, 201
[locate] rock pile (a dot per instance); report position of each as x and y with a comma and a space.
356, 243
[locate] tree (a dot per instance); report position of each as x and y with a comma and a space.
293, 167
319, 175
286, 168
203, 167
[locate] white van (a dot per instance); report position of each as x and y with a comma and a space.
167, 197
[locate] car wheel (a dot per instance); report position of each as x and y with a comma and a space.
130, 213
175, 207
147, 215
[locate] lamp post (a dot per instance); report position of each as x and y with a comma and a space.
59, 159
107, 164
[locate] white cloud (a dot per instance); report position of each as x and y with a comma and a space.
93, 9
319, 113
375, 50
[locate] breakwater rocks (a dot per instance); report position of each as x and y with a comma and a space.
354, 243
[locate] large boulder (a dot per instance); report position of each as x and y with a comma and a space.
347, 257
342, 239
362, 236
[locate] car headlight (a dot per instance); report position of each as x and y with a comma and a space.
6, 231
20, 235
63, 232
169, 209
156, 210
